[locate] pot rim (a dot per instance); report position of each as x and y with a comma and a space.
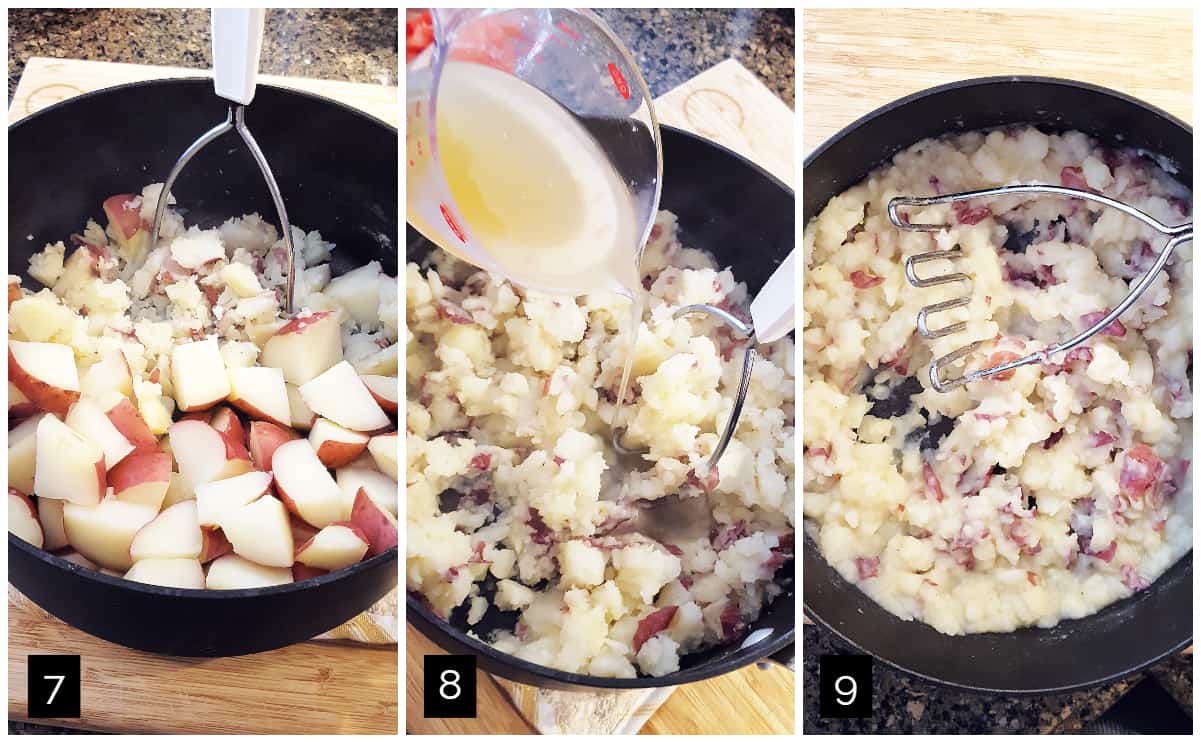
980, 82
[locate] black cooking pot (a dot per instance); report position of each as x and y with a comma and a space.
1118, 640
731, 208
336, 167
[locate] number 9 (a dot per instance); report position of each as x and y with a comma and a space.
848, 693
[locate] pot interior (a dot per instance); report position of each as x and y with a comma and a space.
1122, 637
746, 218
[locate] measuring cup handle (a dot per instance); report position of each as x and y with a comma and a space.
773, 310
237, 44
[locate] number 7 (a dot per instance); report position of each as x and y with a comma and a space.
56, 687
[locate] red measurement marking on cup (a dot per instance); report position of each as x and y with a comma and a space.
619, 81
417, 109
451, 223
568, 30
411, 163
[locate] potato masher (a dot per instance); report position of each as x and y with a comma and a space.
772, 317
1176, 235
237, 44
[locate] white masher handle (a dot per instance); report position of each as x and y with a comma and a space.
773, 310
237, 44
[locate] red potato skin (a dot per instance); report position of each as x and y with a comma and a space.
389, 406
21, 411
228, 424
138, 468
26, 500
299, 324
50, 399
381, 532
302, 531
283, 496
348, 524
101, 478
334, 454
300, 572
125, 418
32, 510
234, 449
353, 527
202, 409
253, 412
213, 544
264, 439
128, 220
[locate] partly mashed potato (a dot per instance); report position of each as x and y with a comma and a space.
1037, 495
512, 493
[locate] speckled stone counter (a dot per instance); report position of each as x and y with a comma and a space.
905, 704
352, 45
672, 45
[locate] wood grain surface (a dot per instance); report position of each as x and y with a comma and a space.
312, 687
495, 714
858, 60
747, 701
729, 105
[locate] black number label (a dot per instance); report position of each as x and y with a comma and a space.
845, 685
53, 685
450, 686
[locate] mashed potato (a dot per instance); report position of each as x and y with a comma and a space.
1037, 495
514, 493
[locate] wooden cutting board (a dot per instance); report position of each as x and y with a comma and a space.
729, 105
858, 60
311, 687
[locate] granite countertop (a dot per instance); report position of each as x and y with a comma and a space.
906, 704
352, 45
672, 45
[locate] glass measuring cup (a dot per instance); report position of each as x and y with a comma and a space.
586, 186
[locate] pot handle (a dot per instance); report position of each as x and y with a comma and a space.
785, 656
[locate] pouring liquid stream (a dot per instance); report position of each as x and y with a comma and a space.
537, 192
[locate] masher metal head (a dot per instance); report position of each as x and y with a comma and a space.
744, 330
237, 43
773, 313
1176, 235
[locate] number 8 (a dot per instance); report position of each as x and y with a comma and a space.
852, 692
452, 682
